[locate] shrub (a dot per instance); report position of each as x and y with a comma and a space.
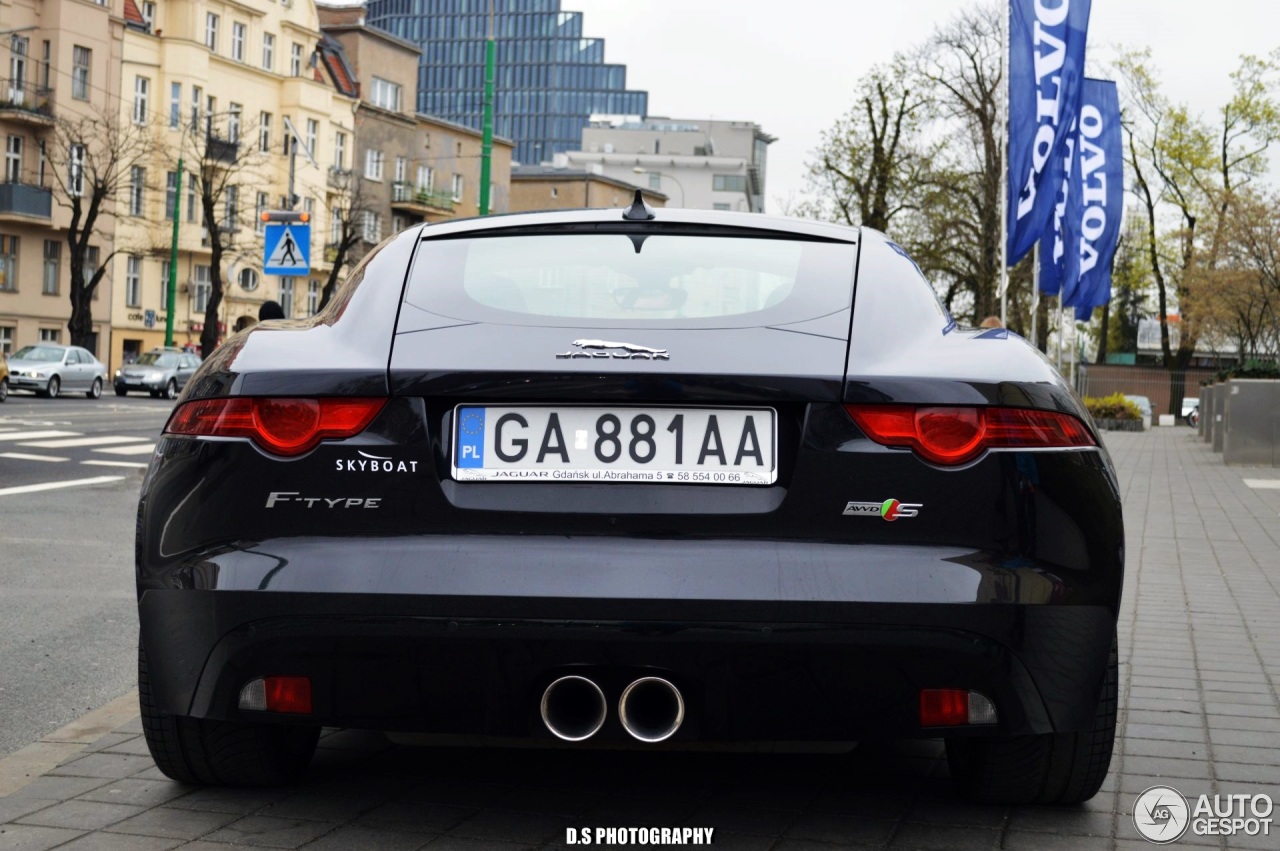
1248, 369
1113, 407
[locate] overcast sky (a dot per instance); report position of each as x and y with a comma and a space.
790, 66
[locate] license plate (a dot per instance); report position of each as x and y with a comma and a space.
718, 446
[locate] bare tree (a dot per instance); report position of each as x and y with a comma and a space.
220, 164
349, 202
96, 160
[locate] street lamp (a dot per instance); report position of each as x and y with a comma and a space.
661, 174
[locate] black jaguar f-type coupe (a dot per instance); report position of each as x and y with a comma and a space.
663, 479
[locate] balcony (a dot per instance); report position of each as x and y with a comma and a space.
24, 101
408, 198
23, 202
218, 149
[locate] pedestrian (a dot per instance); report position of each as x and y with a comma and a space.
992, 322
270, 310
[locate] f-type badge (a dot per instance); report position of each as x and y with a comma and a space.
607, 349
890, 509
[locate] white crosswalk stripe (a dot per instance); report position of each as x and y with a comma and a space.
134, 464
22, 456
136, 449
69, 443
37, 435
49, 486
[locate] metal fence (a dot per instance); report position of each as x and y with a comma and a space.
1155, 383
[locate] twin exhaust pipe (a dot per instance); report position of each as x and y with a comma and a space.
574, 709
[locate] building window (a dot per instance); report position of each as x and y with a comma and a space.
335, 225
426, 178
248, 280
269, 51
286, 296
6, 339
141, 94
90, 267
729, 183
211, 31
81, 60
231, 207
13, 160
234, 113
191, 196
46, 56
137, 187
295, 60
197, 97
555, 193
402, 169
655, 181
457, 188
149, 15
372, 227
203, 287
164, 284
340, 151
237, 41
133, 281
313, 130
75, 171
397, 223
385, 94
51, 335
373, 164
313, 298
175, 105
260, 207
264, 132
8, 264
721, 206
52, 266
41, 162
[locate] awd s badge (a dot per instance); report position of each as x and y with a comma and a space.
890, 509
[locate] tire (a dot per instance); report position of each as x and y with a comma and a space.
222, 753
120, 391
4, 389
154, 394
1193, 418
1053, 768
171, 390
55, 387
94, 392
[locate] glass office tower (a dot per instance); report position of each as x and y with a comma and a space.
550, 78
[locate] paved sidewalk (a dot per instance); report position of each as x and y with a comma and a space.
1200, 663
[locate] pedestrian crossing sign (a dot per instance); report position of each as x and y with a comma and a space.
287, 249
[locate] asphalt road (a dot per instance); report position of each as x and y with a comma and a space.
68, 619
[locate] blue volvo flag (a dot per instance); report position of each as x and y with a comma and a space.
1096, 200
1046, 66
1053, 243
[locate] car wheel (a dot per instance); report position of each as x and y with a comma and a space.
228, 753
95, 391
4, 389
55, 386
171, 390
1053, 768
1193, 418
120, 391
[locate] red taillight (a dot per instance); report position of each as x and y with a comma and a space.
956, 435
277, 694
282, 426
954, 707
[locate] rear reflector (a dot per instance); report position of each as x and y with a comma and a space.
277, 694
281, 426
951, 707
951, 436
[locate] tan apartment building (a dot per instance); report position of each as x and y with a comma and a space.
59, 64
409, 168
217, 80
544, 187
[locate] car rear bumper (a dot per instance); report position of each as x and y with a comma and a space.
768, 641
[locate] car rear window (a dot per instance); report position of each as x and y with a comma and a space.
631, 279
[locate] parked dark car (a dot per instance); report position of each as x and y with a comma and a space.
684, 478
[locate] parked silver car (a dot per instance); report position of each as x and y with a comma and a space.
161, 372
49, 369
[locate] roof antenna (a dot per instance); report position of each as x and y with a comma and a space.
639, 211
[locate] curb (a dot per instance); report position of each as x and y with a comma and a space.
25, 765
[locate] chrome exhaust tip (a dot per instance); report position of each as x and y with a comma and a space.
573, 708
651, 709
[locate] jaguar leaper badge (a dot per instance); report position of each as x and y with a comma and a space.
609, 349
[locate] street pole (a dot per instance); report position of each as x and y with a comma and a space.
1035, 291
1004, 175
486, 143
172, 283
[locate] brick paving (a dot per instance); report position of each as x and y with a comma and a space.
1200, 663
